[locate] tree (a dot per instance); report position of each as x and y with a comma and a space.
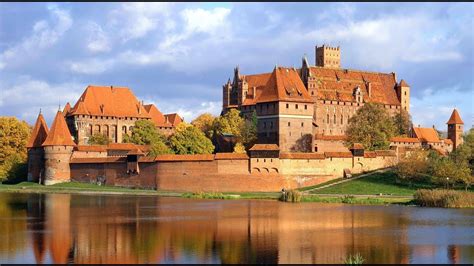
230, 123
402, 122
14, 135
144, 133
98, 139
188, 139
371, 126
249, 130
239, 148
464, 153
413, 167
205, 123
445, 171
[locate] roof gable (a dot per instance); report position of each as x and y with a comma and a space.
427, 134
174, 119
39, 134
109, 101
156, 116
59, 133
284, 84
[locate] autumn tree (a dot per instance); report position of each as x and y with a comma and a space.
98, 139
402, 122
413, 167
371, 126
245, 130
239, 148
249, 130
205, 123
188, 139
14, 135
145, 133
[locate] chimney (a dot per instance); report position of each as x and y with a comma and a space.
254, 92
369, 88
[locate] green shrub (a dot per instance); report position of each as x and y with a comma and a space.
206, 195
349, 199
291, 196
444, 198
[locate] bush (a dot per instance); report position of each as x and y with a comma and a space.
206, 195
444, 198
291, 196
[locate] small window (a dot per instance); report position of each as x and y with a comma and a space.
405, 93
296, 106
264, 124
271, 124
306, 107
287, 106
289, 124
302, 124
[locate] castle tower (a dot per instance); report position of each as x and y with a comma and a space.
57, 152
403, 92
327, 56
36, 151
455, 129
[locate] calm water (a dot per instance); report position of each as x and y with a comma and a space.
60, 228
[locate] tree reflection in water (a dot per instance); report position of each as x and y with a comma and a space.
62, 228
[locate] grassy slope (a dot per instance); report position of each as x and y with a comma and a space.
372, 184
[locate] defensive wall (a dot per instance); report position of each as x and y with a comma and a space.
226, 172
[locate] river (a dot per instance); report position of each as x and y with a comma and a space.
64, 228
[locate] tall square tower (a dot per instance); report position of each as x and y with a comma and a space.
327, 56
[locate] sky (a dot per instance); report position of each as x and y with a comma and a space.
178, 55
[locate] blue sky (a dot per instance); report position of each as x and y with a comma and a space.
178, 55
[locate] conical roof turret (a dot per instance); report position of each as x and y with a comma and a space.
59, 133
39, 134
455, 118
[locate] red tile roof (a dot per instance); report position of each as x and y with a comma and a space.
404, 139
455, 118
302, 155
427, 134
156, 116
448, 141
91, 148
370, 154
66, 109
99, 160
338, 154
59, 133
339, 85
185, 157
284, 84
174, 119
258, 81
231, 156
385, 153
109, 101
39, 134
357, 146
264, 147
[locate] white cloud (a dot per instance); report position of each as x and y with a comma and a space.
97, 40
436, 107
29, 95
91, 66
208, 21
136, 20
44, 36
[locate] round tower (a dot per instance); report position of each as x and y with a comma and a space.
455, 129
36, 151
58, 148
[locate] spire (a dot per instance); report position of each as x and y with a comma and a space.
455, 118
403, 83
39, 134
59, 133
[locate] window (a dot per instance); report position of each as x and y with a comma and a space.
271, 124
327, 120
312, 92
334, 118
405, 93
296, 106
306, 107
289, 124
302, 124
264, 124
287, 106
342, 119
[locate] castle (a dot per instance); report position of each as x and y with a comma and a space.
302, 115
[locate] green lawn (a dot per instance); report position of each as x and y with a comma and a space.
373, 184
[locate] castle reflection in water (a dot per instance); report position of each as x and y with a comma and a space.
62, 228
